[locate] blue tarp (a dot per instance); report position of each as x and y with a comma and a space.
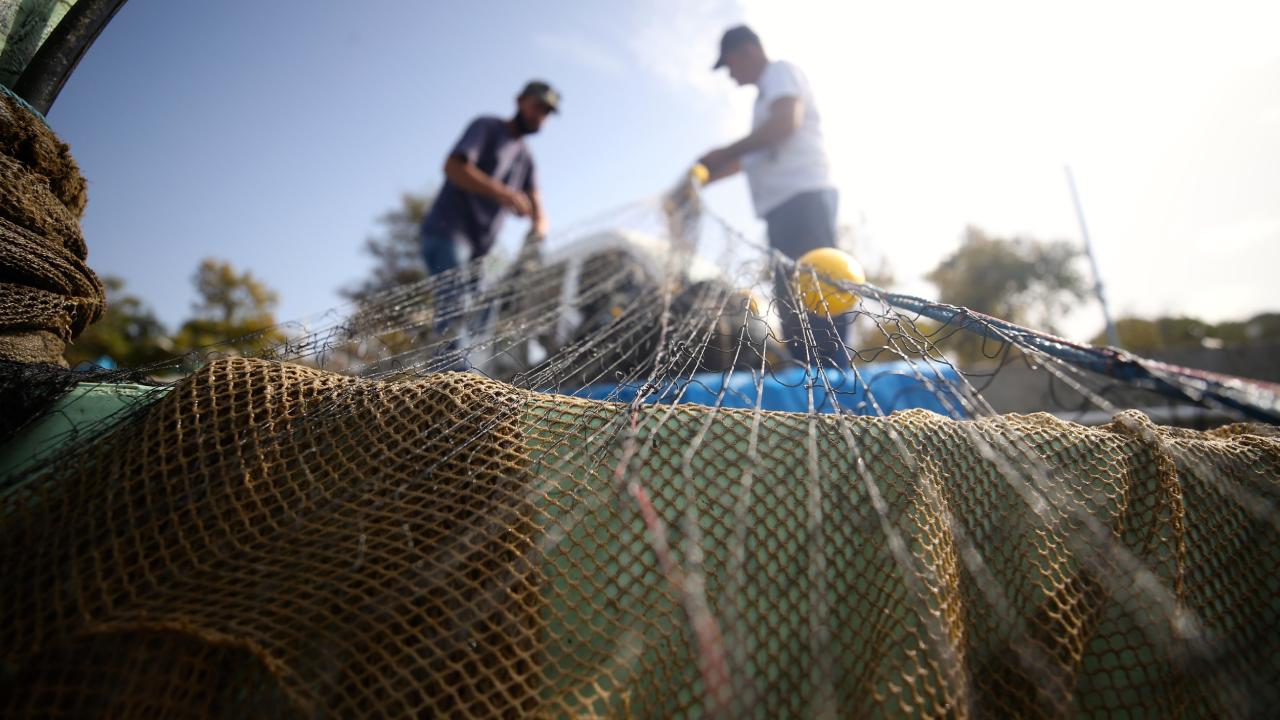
895, 386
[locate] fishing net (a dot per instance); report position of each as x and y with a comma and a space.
48, 295
573, 488
270, 538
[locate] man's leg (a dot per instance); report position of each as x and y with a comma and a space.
447, 260
803, 223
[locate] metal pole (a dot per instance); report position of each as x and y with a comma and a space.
44, 76
1113, 338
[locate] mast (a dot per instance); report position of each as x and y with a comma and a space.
1113, 338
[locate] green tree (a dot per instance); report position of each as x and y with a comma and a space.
396, 249
1029, 282
1143, 335
233, 310
1263, 329
397, 254
1025, 281
128, 332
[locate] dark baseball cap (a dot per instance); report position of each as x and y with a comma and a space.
544, 92
734, 38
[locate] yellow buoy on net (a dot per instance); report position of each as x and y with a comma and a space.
827, 264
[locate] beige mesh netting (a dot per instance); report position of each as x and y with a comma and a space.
48, 295
269, 539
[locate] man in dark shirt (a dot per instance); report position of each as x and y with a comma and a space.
488, 173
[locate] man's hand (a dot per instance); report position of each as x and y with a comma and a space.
517, 202
464, 174
718, 160
720, 164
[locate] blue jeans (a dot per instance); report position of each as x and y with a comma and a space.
805, 222
451, 256
443, 253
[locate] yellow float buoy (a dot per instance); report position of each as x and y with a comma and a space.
827, 264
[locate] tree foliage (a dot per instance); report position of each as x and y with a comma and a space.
1025, 281
396, 249
1021, 280
128, 334
1263, 329
1142, 335
233, 310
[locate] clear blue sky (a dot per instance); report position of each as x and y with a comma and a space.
273, 134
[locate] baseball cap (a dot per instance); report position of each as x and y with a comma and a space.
544, 92
734, 38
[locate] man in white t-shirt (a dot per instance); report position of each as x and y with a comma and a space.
785, 160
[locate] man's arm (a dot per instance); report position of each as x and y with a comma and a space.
726, 170
460, 171
785, 115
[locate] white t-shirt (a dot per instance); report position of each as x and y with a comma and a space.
797, 164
